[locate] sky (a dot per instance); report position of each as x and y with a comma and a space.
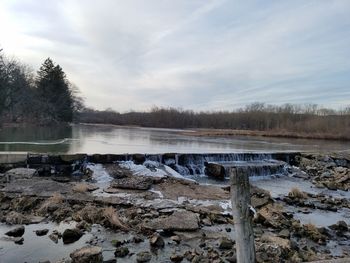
191, 54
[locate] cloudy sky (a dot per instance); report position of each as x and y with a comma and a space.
194, 54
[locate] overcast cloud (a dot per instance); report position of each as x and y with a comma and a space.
194, 54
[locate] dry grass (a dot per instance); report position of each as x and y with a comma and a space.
310, 227
81, 188
55, 199
269, 133
296, 193
90, 214
112, 217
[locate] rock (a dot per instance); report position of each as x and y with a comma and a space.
121, 252
143, 256
71, 235
83, 225
271, 215
225, 243
16, 232
268, 253
206, 221
117, 243
16, 218
61, 179
156, 241
176, 258
259, 202
54, 237
340, 170
133, 182
137, 239
215, 170
176, 239
340, 226
41, 232
272, 239
179, 221
284, 233
88, 254
21, 173
312, 232
331, 185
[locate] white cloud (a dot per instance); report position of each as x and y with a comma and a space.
193, 54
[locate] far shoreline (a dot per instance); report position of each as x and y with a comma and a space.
200, 132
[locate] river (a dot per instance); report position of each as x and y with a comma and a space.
82, 138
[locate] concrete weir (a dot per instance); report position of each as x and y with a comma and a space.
184, 163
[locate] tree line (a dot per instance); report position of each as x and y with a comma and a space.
41, 98
308, 118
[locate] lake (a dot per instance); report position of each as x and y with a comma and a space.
83, 138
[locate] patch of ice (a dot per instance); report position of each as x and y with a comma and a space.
138, 169
151, 168
100, 175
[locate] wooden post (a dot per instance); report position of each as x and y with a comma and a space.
242, 216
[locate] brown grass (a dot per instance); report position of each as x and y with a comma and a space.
269, 133
112, 217
81, 188
296, 193
55, 199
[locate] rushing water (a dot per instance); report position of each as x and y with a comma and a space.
113, 139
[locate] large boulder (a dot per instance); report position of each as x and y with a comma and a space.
215, 170
88, 254
21, 173
16, 232
71, 235
179, 221
133, 182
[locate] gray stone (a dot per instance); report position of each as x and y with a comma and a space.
121, 252
41, 232
226, 243
133, 182
88, 254
178, 221
16, 232
144, 256
71, 235
215, 170
156, 241
21, 173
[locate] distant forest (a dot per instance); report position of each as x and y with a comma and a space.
49, 97
308, 121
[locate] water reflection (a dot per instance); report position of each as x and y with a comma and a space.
36, 139
112, 139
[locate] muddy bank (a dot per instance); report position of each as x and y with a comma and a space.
142, 211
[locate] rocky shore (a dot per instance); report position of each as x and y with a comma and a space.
105, 211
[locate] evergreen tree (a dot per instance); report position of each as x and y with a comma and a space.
3, 85
54, 90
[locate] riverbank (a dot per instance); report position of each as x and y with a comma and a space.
276, 134
143, 209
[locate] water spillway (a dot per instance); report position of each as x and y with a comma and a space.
255, 164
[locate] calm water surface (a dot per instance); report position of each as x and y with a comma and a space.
80, 138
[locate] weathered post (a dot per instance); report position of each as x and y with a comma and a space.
242, 216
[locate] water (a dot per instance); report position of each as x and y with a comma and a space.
90, 139
36, 249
